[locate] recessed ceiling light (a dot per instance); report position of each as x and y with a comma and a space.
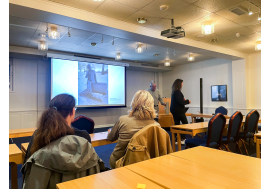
237, 34
141, 20
214, 40
156, 54
93, 44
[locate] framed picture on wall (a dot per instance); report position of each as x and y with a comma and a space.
219, 92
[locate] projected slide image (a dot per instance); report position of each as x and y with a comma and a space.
92, 84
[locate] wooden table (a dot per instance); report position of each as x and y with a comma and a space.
175, 172
115, 179
17, 133
244, 170
15, 158
257, 140
190, 129
97, 139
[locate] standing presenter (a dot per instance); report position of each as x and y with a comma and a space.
156, 95
178, 103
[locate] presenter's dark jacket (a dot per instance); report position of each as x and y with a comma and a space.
77, 132
178, 103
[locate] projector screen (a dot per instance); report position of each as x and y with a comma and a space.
92, 84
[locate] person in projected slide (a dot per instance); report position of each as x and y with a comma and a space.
156, 95
91, 78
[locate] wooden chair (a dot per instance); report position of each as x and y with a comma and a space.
235, 123
250, 127
84, 123
216, 126
222, 110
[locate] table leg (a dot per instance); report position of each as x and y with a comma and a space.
14, 176
258, 148
173, 141
179, 141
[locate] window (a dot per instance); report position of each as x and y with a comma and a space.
11, 80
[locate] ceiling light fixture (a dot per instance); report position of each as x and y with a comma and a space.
53, 32
191, 57
258, 45
141, 20
163, 7
249, 10
118, 56
139, 49
208, 28
93, 44
43, 46
156, 54
167, 63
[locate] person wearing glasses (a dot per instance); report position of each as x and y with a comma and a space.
55, 123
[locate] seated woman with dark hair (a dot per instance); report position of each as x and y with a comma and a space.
50, 142
54, 123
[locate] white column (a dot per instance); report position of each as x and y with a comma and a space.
239, 85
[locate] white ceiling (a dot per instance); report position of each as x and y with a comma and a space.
28, 33
186, 13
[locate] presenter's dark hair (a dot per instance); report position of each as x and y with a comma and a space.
52, 124
177, 85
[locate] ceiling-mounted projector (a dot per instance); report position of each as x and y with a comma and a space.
174, 32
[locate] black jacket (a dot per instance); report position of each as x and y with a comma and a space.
178, 103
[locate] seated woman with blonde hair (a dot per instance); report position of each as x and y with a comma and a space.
141, 114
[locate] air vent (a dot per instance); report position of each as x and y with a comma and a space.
92, 57
239, 10
150, 65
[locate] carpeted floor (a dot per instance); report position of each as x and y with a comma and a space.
104, 152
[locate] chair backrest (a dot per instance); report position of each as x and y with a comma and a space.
216, 126
234, 125
222, 110
251, 122
84, 123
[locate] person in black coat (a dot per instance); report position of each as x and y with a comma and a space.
178, 103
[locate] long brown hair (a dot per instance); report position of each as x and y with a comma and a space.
177, 85
52, 124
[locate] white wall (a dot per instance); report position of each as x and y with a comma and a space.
32, 94
213, 72
253, 81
